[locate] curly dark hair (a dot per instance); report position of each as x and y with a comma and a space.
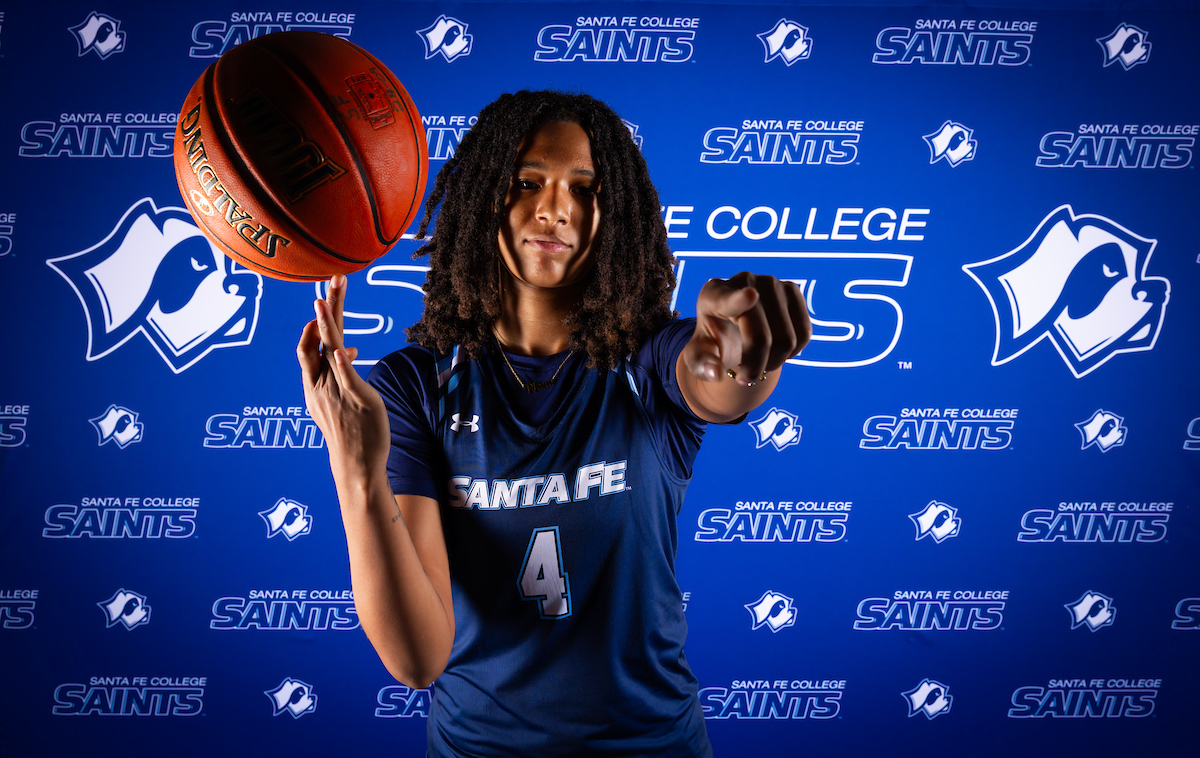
628, 290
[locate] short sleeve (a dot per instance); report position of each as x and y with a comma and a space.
677, 431
407, 382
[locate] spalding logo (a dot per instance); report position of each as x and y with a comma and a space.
1079, 281
157, 274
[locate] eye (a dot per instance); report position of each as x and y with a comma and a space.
525, 184
198, 266
1109, 273
586, 191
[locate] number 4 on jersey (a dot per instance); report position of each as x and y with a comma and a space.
542, 576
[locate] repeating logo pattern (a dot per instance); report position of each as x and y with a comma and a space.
1092, 286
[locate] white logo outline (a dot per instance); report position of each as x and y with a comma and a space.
1115, 43
284, 698
118, 424
937, 520
774, 610
434, 38
117, 308
1093, 610
776, 42
929, 697
117, 609
952, 141
87, 35
1059, 235
777, 427
287, 517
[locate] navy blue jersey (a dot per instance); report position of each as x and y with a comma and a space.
559, 510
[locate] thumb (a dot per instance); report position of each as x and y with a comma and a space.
701, 356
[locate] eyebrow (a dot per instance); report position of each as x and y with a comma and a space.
542, 167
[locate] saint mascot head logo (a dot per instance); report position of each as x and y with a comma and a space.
156, 273
1079, 281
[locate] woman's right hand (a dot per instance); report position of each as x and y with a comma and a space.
349, 412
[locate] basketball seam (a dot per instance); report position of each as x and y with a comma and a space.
296, 68
419, 133
243, 169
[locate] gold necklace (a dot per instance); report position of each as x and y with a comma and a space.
532, 386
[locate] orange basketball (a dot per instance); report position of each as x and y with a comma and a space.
300, 155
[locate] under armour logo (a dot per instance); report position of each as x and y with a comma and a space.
458, 423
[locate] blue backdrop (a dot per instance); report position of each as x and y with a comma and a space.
965, 522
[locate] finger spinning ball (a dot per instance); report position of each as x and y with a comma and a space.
300, 155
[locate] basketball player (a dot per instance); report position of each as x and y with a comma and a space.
510, 483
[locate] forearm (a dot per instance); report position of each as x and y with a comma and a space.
403, 605
398, 564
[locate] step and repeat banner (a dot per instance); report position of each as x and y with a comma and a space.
965, 523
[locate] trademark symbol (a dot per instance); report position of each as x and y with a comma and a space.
904, 365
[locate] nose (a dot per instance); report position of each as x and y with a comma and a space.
1151, 290
554, 204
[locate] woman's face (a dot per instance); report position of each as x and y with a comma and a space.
552, 209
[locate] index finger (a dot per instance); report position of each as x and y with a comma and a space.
724, 300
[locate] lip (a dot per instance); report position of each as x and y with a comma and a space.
548, 243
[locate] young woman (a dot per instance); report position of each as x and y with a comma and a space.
510, 483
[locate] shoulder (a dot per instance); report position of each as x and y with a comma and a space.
660, 349
409, 371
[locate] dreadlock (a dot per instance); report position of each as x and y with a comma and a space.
628, 290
